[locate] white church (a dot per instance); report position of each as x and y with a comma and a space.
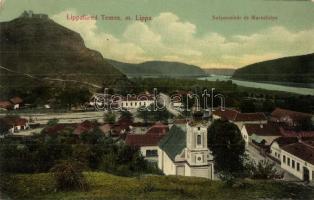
183, 151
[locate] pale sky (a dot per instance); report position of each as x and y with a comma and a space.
184, 30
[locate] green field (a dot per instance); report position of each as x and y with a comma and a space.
106, 186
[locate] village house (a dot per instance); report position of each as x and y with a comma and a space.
85, 127
290, 118
17, 102
277, 144
260, 133
14, 124
148, 142
249, 118
298, 159
5, 105
225, 114
137, 101
183, 151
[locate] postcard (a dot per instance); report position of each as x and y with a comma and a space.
168, 99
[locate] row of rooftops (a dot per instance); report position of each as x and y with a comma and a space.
277, 115
236, 116
9, 104
12, 121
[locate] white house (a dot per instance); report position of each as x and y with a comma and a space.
249, 118
14, 124
134, 102
259, 133
298, 159
183, 151
17, 102
148, 142
277, 144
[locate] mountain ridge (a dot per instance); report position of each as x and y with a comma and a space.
157, 68
293, 69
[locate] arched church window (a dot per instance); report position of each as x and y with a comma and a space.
199, 139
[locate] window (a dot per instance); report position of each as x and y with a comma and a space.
131, 104
144, 103
288, 161
126, 104
135, 103
275, 154
151, 153
284, 159
199, 139
199, 128
293, 164
298, 166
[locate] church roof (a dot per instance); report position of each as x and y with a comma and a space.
174, 142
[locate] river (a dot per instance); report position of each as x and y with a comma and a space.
267, 86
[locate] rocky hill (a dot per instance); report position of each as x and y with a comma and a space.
36, 49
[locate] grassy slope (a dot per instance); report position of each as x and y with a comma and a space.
106, 186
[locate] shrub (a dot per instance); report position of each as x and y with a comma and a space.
68, 175
264, 169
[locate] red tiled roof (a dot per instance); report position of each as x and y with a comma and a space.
244, 117
84, 127
16, 100
54, 129
158, 129
14, 121
301, 150
269, 129
125, 120
227, 113
283, 141
143, 140
279, 113
291, 133
6, 104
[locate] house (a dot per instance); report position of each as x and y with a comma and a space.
84, 127
226, 114
17, 102
148, 142
249, 118
289, 117
278, 143
298, 159
14, 123
239, 118
183, 151
260, 133
137, 101
5, 105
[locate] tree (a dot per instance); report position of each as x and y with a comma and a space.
69, 175
72, 96
126, 115
264, 169
227, 146
110, 117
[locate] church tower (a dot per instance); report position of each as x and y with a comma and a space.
196, 142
